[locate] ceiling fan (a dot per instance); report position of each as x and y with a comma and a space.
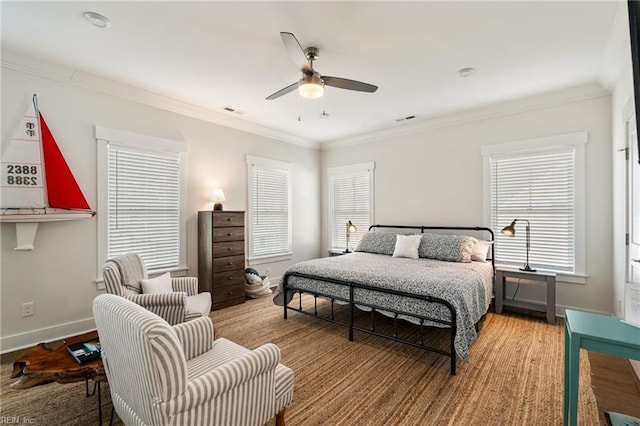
311, 85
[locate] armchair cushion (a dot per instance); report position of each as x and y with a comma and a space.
198, 305
159, 284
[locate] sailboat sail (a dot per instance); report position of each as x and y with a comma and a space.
37, 184
22, 185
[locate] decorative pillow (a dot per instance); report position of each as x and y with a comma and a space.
407, 246
252, 276
480, 250
378, 242
452, 248
160, 284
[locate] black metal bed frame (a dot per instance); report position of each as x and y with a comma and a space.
452, 325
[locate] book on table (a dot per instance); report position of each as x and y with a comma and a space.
85, 351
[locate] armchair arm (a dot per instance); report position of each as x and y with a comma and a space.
196, 336
187, 284
170, 306
258, 365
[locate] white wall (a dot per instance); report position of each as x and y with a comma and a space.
60, 274
435, 177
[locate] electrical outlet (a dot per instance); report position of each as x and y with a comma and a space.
28, 309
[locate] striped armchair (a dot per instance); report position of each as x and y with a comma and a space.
122, 275
179, 375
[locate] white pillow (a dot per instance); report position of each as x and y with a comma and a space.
160, 284
480, 250
407, 246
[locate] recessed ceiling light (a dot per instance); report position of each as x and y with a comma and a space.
466, 72
97, 20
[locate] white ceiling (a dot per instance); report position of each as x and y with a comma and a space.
217, 54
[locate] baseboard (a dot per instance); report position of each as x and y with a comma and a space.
26, 340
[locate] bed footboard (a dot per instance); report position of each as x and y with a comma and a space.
451, 325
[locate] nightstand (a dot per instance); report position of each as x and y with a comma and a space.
337, 252
548, 278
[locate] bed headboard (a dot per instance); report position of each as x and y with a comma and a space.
422, 228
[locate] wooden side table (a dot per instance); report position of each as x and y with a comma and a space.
549, 278
49, 362
594, 332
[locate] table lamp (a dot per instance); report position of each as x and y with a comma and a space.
218, 198
351, 228
510, 231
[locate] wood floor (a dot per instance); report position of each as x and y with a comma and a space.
615, 385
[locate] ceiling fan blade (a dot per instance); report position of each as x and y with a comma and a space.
344, 83
284, 91
295, 51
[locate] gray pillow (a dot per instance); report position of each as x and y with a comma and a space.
378, 242
452, 248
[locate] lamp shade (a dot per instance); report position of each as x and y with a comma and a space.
351, 228
218, 195
510, 230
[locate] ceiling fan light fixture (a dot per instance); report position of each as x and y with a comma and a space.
311, 86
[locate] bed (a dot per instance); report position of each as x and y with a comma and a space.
442, 287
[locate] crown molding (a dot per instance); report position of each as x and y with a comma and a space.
68, 75
503, 109
77, 78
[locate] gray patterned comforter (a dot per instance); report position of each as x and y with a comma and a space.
467, 286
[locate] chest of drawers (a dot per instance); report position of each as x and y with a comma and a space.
221, 259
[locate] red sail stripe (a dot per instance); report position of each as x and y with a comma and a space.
62, 189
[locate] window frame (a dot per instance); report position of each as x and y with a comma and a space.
253, 160
578, 141
104, 137
343, 171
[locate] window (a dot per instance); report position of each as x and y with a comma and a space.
269, 208
541, 181
350, 199
141, 190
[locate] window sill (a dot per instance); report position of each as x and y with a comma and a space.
269, 259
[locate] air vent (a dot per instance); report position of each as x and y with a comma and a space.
410, 117
229, 109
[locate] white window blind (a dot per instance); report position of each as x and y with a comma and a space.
538, 186
269, 208
350, 199
144, 206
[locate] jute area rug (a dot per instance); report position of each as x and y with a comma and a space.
515, 376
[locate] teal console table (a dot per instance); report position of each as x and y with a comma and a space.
599, 333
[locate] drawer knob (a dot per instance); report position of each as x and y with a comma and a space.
230, 278
229, 234
228, 219
228, 248
229, 263
229, 293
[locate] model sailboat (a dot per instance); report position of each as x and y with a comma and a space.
37, 185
